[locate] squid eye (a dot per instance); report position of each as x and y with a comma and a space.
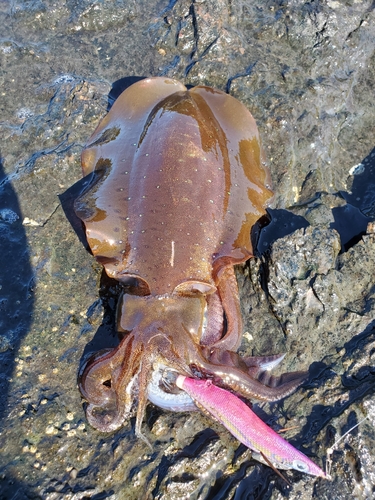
301, 466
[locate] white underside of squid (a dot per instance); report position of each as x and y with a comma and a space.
179, 401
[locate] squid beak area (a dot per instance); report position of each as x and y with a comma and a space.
163, 392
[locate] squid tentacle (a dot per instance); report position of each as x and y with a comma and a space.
228, 291
267, 362
248, 387
215, 320
107, 409
249, 376
144, 378
97, 371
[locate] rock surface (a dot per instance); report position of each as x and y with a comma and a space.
306, 72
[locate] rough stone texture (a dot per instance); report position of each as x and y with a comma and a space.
306, 71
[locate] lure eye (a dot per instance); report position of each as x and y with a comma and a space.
301, 466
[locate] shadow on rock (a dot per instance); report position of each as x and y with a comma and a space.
351, 220
16, 303
356, 382
362, 193
16, 284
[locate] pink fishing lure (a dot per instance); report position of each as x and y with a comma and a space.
244, 424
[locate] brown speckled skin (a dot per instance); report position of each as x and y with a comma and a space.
177, 184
